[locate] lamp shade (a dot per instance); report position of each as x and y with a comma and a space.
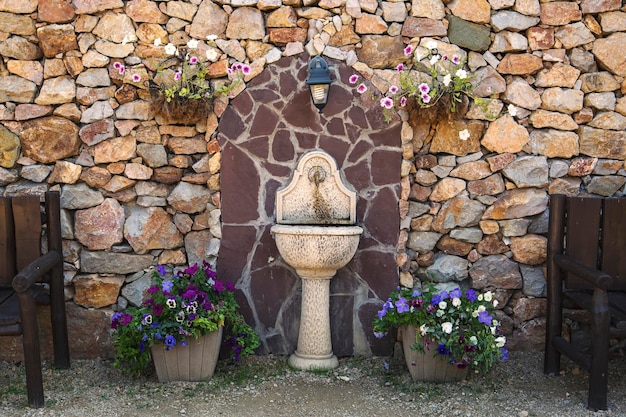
319, 82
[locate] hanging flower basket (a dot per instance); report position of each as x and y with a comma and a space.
179, 110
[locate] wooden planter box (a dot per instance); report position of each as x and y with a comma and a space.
428, 366
194, 362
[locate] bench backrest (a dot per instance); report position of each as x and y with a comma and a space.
20, 235
595, 234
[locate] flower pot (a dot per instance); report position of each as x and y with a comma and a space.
194, 362
428, 366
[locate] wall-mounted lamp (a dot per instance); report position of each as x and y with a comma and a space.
319, 82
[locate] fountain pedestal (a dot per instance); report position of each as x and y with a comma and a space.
316, 235
315, 348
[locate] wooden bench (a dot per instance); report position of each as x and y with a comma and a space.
28, 278
587, 269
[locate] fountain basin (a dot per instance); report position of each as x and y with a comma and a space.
316, 251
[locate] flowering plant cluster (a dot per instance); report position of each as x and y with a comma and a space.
431, 79
457, 325
182, 75
179, 308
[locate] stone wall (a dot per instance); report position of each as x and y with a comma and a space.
137, 191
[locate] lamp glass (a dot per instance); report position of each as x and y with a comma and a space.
319, 81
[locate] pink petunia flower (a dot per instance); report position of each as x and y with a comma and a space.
386, 102
424, 88
193, 60
393, 89
353, 79
122, 69
245, 69
136, 78
117, 65
361, 88
455, 59
425, 98
402, 101
177, 75
400, 67
408, 50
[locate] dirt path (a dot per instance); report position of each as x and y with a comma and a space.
265, 386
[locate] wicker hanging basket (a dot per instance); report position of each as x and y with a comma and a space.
179, 110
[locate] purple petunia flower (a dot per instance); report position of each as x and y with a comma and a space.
120, 319
379, 335
161, 270
157, 309
166, 286
485, 318
382, 313
170, 341
443, 350
386, 102
471, 295
456, 293
402, 305
504, 354
435, 300
191, 270
191, 292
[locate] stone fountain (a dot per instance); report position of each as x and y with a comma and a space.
316, 235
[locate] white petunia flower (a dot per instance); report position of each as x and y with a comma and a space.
192, 44
443, 305
461, 74
488, 296
446, 327
423, 330
431, 44
434, 59
446, 80
212, 54
170, 49
500, 341
157, 42
464, 134
456, 301
512, 110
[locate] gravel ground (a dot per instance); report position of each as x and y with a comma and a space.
265, 386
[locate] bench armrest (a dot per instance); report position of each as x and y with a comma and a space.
595, 277
35, 271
